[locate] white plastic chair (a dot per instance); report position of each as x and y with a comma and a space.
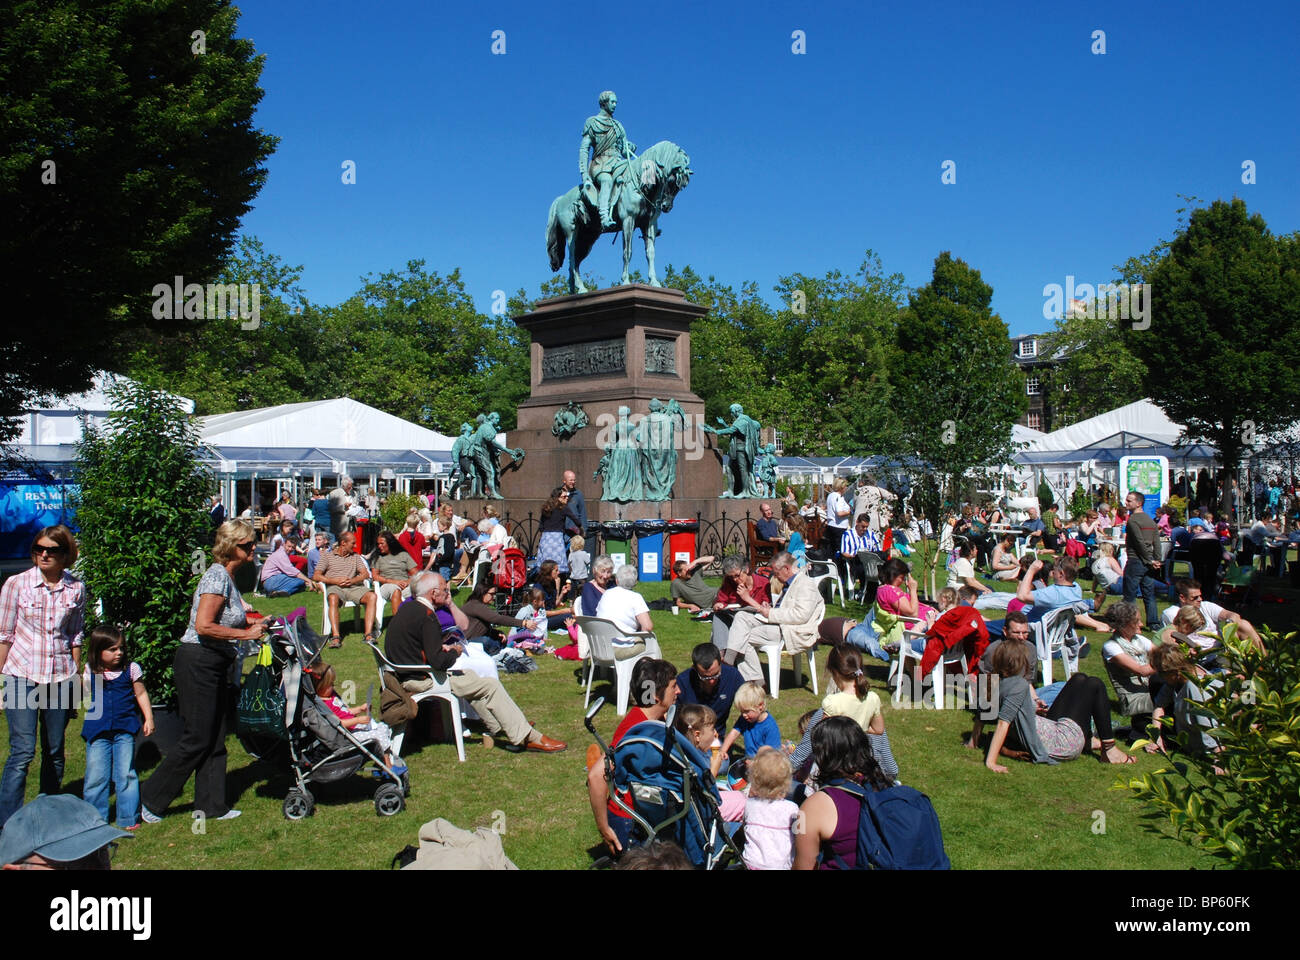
356, 609
913, 627
773, 652
1051, 634
602, 652
828, 572
440, 690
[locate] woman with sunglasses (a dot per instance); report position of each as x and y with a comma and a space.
204, 658
42, 621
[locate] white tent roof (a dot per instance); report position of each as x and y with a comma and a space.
1141, 417
1023, 434
337, 424
59, 421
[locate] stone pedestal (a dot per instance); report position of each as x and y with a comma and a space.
617, 347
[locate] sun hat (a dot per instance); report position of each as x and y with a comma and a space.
61, 828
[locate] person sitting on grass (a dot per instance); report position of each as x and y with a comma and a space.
829, 834
364, 728
1189, 591
1047, 735
756, 726
1063, 592
534, 610
1180, 696
654, 691
281, 575
1107, 574
1005, 565
771, 820
1190, 626
699, 725
557, 593
688, 589
854, 698
710, 682
963, 571
1128, 654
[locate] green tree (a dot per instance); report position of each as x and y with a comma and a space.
223, 367
1225, 325
142, 524
1238, 802
154, 161
960, 419
412, 344
1095, 371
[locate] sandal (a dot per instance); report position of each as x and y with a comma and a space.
370, 638
1107, 746
334, 643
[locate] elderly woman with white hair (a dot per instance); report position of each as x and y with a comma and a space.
627, 610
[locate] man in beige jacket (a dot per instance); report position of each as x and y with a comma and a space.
793, 620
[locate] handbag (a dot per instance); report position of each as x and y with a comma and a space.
261, 701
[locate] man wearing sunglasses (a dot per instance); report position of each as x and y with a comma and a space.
709, 682
1189, 592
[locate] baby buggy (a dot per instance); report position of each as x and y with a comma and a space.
674, 796
316, 745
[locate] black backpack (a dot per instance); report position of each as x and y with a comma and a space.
897, 830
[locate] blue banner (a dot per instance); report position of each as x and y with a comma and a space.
27, 507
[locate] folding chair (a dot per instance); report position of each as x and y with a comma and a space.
441, 690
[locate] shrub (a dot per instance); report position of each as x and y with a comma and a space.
1045, 495
1247, 815
1080, 501
1179, 507
395, 508
143, 525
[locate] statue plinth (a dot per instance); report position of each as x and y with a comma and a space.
618, 347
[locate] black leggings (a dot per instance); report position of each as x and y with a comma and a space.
1083, 699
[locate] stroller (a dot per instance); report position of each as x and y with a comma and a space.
320, 749
674, 796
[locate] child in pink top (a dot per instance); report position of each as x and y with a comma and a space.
366, 729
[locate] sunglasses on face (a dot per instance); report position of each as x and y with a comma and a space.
54, 551
246, 545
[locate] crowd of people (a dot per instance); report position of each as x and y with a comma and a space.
410, 577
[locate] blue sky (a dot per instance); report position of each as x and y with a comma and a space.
1067, 162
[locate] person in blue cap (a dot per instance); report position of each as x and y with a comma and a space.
59, 832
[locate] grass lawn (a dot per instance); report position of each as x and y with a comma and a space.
1067, 816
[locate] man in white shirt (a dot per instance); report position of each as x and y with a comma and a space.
1189, 592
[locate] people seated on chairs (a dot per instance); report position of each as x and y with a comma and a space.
829, 831
688, 589
1034, 529
797, 545
412, 540
769, 528
559, 606
1128, 660
1004, 562
962, 571
860, 538
481, 612
1107, 575
602, 578
1040, 601
793, 621
392, 570
710, 682
1048, 735
740, 588
343, 574
1189, 591
654, 690
415, 636
626, 609
280, 575
900, 595
1090, 528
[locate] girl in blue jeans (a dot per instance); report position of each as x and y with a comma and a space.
113, 695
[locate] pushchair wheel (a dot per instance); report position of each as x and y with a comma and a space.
298, 805
389, 800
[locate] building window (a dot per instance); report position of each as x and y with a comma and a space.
1035, 421
778, 440
1028, 348
1032, 386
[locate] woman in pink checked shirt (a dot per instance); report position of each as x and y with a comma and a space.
42, 621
